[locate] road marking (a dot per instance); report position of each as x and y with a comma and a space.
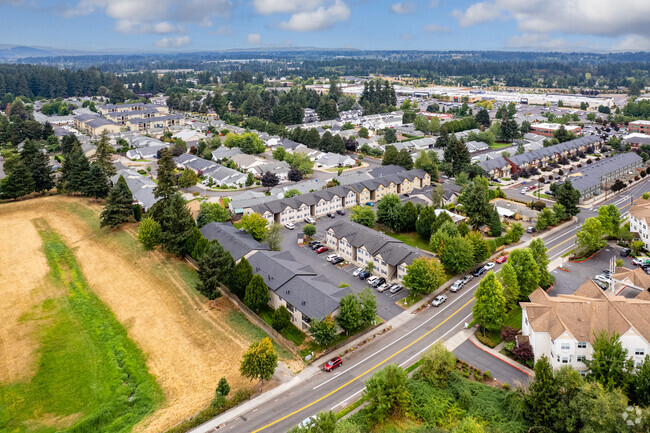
344, 401
365, 372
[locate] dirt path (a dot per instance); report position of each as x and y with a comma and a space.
189, 346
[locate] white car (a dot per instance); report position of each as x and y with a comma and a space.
331, 257
488, 266
603, 278
383, 288
372, 279
310, 220
290, 226
524, 190
356, 272
458, 284
439, 300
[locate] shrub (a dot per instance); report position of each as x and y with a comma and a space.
523, 352
509, 333
487, 375
281, 318
636, 177
506, 386
560, 172
240, 396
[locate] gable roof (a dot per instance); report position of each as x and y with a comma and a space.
238, 242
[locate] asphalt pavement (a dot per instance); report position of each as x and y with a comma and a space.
504, 373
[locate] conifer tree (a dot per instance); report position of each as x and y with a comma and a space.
119, 206
38, 165
18, 183
103, 155
97, 185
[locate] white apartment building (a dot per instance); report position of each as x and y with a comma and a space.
564, 327
640, 219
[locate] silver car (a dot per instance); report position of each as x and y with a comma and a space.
439, 300
382, 288
458, 284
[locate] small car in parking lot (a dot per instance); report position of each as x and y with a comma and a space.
369, 203
316, 245
333, 363
639, 262
340, 212
467, 278
372, 279
458, 284
330, 215
396, 288
310, 220
488, 266
357, 271
601, 284
530, 229
322, 249
502, 259
479, 272
625, 252
378, 282
364, 274
382, 287
331, 257
337, 260
603, 278
439, 300
290, 226
406, 194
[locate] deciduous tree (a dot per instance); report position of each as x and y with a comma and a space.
609, 364
387, 394
259, 361
590, 237
424, 275
211, 212
274, 236
363, 215
457, 255
349, 316
368, 303
323, 331
389, 211
489, 310
526, 269
281, 318
538, 249
508, 280
270, 180
149, 233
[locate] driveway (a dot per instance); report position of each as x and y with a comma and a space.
568, 282
500, 370
386, 307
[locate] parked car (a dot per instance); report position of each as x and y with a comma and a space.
331, 215
382, 287
364, 274
479, 272
307, 422
502, 259
467, 278
322, 249
331, 257
340, 212
312, 243
337, 260
625, 252
316, 246
603, 278
396, 288
458, 284
372, 279
369, 203
406, 194
439, 300
639, 262
310, 220
333, 363
378, 282
524, 190
357, 271
290, 226
488, 266
530, 229
601, 284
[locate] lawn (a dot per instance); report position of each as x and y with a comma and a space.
411, 238
290, 332
513, 318
500, 145
89, 375
243, 326
225, 201
409, 301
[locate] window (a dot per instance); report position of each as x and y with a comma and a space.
565, 346
581, 358
639, 352
565, 360
582, 344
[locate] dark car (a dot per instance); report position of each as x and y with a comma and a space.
406, 194
333, 363
625, 252
340, 212
337, 260
312, 243
316, 246
479, 272
379, 281
331, 215
363, 275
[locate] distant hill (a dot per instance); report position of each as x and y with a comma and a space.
13, 52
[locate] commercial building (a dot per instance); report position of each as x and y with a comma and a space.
639, 126
548, 129
564, 328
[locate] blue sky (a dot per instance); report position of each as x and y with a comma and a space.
188, 25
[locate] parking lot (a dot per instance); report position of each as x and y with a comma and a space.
568, 282
386, 307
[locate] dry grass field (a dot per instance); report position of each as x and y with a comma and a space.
188, 344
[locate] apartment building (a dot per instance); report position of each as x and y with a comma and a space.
548, 129
563, 328
640, 220
143, 124
639, 126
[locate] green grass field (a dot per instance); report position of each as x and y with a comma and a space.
243, 326
500, 145
290, 332
89, 376
412, 238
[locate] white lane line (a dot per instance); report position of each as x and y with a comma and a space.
440, 338
562, 252
344, 401
400, 338
546, 241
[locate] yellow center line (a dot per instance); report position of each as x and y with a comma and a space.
365, 372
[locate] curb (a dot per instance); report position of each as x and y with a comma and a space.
472, 338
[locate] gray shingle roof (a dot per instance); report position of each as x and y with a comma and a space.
239, 243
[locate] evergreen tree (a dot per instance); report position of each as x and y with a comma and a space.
610, 364
390, 136
483, 118
214, 267
176, 223
75, 171
281, 318
38, 165
103, 155
166, 187
257, 293
68, 143
461, 157
404, 159
495, 224
480, 246
390, 156
489, 310
443, 140
409, 217
18, 183
569, 197
541, 400
476, 201
48, 130
97, 185
119, 206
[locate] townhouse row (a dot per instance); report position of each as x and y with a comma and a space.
329, 200
540, 158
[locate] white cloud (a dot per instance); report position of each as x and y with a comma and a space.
403, 8
434, 4
536, 41
318, 19
254, 38
173, 42
224, 30
477, 13
406, 36
633, 43
435, 28
268, 7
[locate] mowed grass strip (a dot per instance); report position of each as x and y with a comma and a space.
90, 377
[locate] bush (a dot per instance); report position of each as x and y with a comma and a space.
281, 318
509, 333
487, 375
506, 386
523, 352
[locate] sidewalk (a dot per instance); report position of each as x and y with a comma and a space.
494, 352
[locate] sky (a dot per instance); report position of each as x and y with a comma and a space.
204, 25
